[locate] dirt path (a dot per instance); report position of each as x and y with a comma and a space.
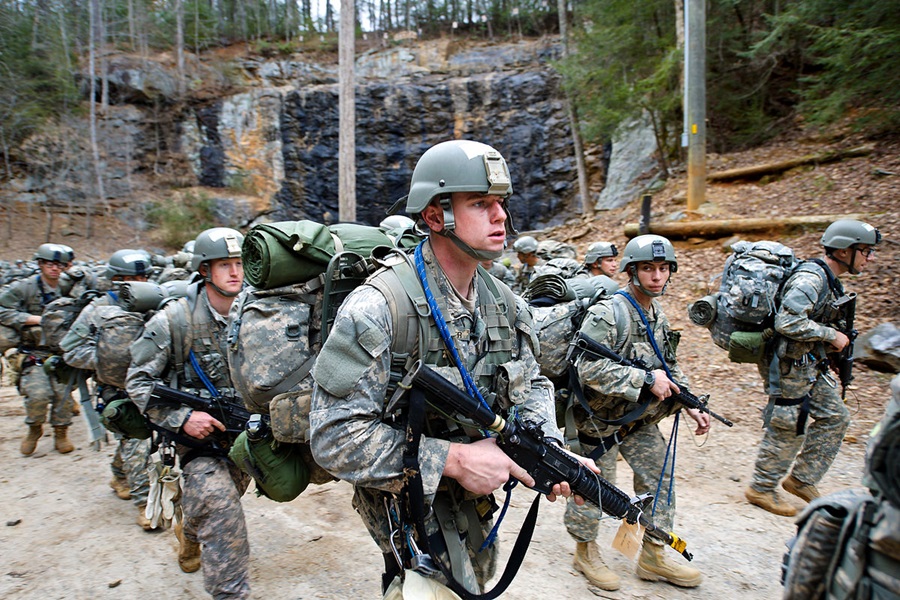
66, 535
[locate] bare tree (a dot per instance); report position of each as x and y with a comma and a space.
586, 206
95, 15
179, 45
347, 112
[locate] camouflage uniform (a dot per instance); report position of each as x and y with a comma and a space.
212, 485
348, 404
795, 370
40, 390
524, 276
612, 390
130, 459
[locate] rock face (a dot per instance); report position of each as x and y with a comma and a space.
281, 143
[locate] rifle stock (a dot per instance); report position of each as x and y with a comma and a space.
584, 343
544, 460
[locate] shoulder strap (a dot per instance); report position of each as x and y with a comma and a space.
179, 328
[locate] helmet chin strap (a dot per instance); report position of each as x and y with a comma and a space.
851, 266
450, 225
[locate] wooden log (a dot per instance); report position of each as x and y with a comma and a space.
725, 227
757, 171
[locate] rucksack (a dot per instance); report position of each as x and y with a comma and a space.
740, 317
117, 330
59, 315
550, 249
848, 543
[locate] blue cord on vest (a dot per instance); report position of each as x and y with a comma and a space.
444, 330
202, 375
674, 437
466, 377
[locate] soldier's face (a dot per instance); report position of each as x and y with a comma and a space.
227, 274
51, 270
653, 275
480, 219
609, 266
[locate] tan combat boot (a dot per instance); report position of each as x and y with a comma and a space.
120, 487
805, 491
61, 439
29, 444
590, 563
654, 565
771, 502
142, 519
188, 551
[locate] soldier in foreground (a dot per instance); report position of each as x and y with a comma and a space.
796, 375
183, 346
21, 305
633, 325
459, 191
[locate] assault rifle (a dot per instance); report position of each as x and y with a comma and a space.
546, 462
842, 362
584, 343
232, 414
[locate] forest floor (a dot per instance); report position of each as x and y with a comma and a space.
66, 534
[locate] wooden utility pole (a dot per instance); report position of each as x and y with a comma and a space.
695, 101
347, 114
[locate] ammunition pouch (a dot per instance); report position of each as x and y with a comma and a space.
279, 469
122, 416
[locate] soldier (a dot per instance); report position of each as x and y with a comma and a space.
129, 464
212, 484
21, 305
526, 250
500, 269
796, 375
601, 259
614, 391
459, 191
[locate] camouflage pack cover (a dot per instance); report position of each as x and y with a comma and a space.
9, 338
549, 249
118, 329
59, 315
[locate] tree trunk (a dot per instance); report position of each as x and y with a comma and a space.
585, 206
179, 45
725, 227
757, 171
347, 112
95, 15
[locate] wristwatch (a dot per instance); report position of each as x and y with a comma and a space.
649, 379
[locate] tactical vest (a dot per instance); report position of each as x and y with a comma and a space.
822, 312
416, 334
193, 328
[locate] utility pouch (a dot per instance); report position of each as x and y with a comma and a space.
122, 416
747, 347
278, 469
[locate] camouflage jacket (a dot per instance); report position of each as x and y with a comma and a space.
806, 318
351, 439
24, 298
612, 390
154, 357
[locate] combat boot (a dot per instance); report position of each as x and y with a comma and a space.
806, 491
29, 444
654, 565
120, 487
589, 562
61, 439
771, 502
142, 519
188, 551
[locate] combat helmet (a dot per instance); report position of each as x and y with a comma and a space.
218, 242
55, 253
599, 250
394, 222
526, 245
647, 248
129, 263
459, 166
848, 233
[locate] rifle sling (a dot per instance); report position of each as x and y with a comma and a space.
415, 503
632, 415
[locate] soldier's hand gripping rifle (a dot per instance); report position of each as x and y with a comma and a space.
842, 362
585, 344
232, 414
544, 460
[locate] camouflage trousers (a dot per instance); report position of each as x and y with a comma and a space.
214, 517
130, 463
41, 391
644, 450
811, 454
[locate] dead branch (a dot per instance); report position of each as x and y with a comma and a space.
758, 171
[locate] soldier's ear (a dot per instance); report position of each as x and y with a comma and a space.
433, 215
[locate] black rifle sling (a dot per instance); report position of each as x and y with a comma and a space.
416, 506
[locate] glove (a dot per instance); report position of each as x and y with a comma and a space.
171, 493
153, 511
